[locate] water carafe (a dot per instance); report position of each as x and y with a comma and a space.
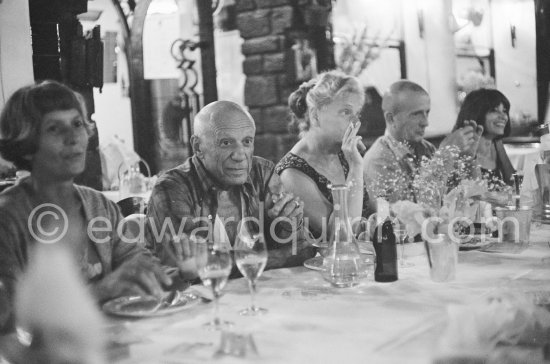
132, 181
342, 263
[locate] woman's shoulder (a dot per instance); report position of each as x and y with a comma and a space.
14, 197
95, 200
292, 160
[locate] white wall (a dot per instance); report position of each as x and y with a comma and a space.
113, 113
516, 69
383, 21
15, 51
430, 57
15, 47
439, 60
229, 66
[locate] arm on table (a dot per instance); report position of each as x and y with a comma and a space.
291, 244
134, 269
169, 214
291, 254
11, 268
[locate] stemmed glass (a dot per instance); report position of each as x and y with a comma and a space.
401, 236
214, 266
251, 257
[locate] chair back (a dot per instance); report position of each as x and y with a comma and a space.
132, 205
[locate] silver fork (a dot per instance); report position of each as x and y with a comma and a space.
168, 300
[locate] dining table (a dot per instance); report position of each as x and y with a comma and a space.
310, 321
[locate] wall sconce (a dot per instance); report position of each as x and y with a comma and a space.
420, 18
513, 35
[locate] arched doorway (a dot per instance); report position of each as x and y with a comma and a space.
146, 135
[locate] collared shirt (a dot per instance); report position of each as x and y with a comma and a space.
104, 252
389, 167
185, 198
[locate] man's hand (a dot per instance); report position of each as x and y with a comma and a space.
466, 138
288, 207
185, 250
141, 275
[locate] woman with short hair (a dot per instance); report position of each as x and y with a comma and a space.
44, 129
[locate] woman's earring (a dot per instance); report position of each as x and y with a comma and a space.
315, 119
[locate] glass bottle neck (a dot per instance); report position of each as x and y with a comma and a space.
340, 203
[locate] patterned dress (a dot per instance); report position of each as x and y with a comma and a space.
291, 160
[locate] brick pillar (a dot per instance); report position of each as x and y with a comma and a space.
263, 25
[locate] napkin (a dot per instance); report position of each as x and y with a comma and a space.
504, 317
54, 306
411, 214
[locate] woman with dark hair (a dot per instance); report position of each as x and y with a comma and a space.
325, 111
43, 128
490, 109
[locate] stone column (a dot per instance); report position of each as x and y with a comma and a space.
263, 25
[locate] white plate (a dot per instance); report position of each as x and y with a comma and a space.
316, 263
145, 306
476, 242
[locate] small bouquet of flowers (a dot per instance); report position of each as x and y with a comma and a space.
439, 196
461, 208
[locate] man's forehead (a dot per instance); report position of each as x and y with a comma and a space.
237, 133
409, 101
228, 123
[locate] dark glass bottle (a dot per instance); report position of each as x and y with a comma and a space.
386, 253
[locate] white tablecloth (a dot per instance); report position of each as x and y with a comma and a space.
311, 322
115, 195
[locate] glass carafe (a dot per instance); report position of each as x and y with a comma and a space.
342, 263
132, 182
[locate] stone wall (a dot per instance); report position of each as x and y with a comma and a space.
264, 26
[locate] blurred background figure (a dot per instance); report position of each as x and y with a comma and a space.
57, 319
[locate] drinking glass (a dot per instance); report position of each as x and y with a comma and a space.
251, 257
366, 248
401, 237
442, 258
214, 266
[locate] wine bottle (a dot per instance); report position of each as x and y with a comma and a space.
386, 253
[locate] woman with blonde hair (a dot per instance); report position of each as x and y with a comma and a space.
326, 111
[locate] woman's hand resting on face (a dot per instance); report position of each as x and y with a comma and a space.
352, 145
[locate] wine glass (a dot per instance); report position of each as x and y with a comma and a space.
214, 266
401, 236
366, 248
251, 257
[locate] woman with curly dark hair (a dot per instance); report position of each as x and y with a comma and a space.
325, 111
490, 109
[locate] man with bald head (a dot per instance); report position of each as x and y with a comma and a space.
218, 186
394, 156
